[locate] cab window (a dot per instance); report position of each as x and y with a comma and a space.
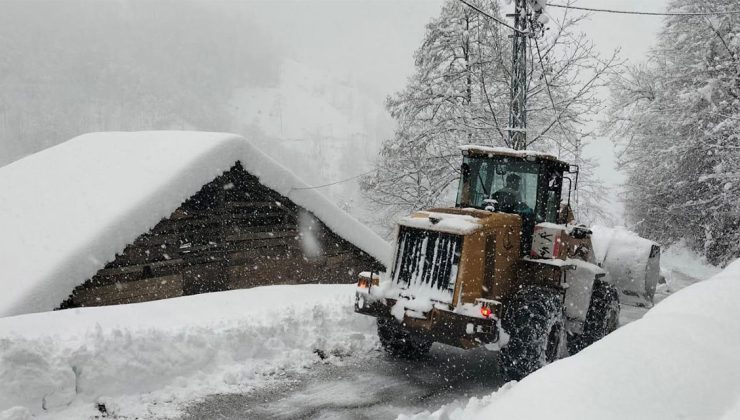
511, 182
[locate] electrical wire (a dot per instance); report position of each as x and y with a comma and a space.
547, 84
501, 22
333, 183
634, 12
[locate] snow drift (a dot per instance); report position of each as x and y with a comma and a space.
69, 209
138, 358
681, 360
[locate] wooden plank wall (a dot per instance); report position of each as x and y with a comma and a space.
234, 233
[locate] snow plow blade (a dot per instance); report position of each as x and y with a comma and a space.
436, 325
633, 263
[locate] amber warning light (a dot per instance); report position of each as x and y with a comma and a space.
485, 311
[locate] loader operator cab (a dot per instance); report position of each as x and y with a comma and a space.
509, 198
502, 180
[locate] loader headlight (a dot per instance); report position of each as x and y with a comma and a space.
367, 280
489, 307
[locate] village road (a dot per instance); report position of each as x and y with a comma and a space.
376, 386
372, 387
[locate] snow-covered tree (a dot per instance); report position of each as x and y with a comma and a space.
459, 94
677, 120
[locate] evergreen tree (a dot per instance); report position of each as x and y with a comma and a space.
678, 122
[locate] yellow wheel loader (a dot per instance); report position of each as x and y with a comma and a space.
504, 268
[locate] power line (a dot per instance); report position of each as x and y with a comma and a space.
489, 16
547, 84
333, 183
634, 12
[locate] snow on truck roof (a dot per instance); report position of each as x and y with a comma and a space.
69, 209
491, 150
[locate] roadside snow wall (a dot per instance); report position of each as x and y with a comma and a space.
680, 361
69, 209
142, 359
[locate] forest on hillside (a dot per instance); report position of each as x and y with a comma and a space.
676, 118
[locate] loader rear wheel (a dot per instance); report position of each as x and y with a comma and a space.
399, 342
533, 319
602, 317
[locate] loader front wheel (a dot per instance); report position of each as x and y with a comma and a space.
533, 319
602, 317
399, 342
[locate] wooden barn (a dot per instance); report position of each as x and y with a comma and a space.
218, 215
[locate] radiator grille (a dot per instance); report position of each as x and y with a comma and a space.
428, 258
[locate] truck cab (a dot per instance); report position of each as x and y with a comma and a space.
524, 183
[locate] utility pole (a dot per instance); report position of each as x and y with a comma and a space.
518, 94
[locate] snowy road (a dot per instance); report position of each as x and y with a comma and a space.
375, 386
678, 280
370, 387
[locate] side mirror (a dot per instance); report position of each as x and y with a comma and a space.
565, 214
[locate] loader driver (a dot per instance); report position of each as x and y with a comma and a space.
509, 198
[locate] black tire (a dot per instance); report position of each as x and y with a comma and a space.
533, 319
399, 342
602, 317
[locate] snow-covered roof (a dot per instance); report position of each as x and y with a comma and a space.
69, 209
483, 149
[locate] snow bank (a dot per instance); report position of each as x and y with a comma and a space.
69, 209
678, 257
145, 358
681, 360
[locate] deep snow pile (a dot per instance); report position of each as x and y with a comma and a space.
142, 359
70, 208
681, 360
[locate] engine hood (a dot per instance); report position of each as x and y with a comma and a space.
460, 221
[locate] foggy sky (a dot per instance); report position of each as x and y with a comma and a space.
370, 41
